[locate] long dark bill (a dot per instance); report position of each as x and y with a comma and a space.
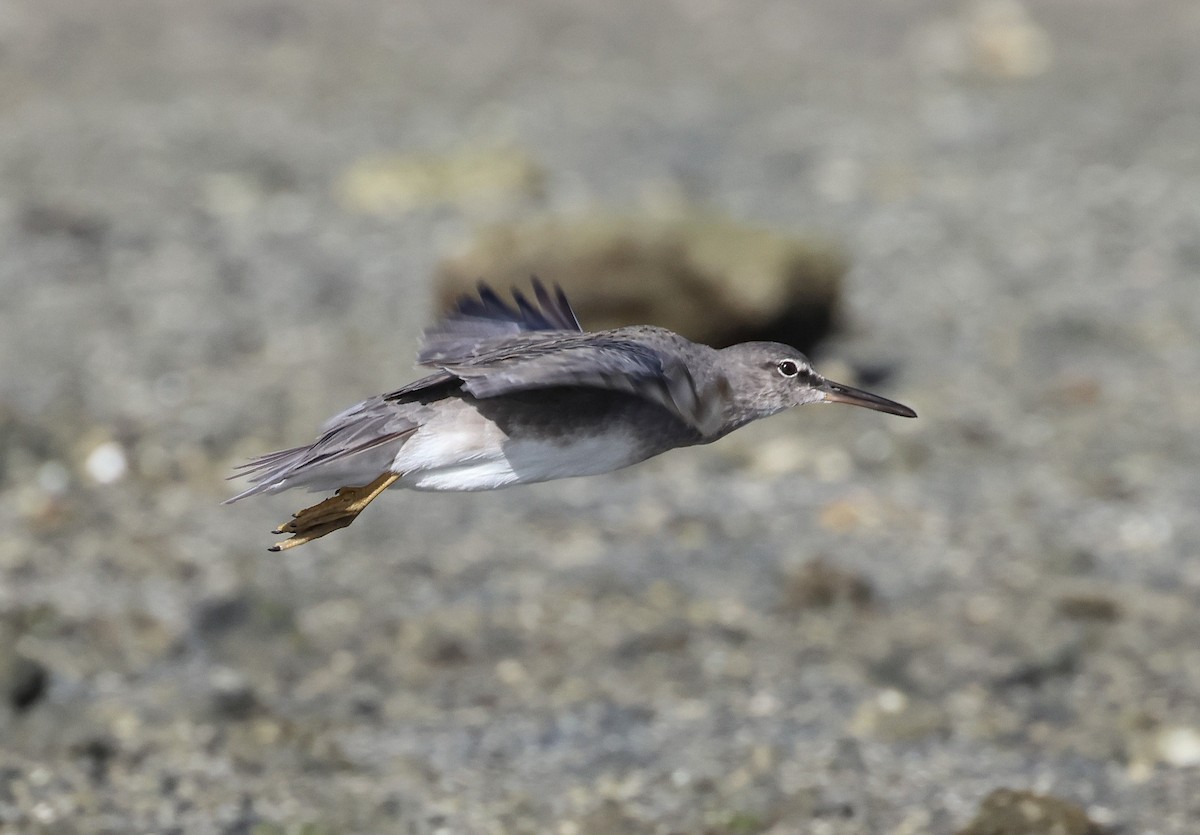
838, 393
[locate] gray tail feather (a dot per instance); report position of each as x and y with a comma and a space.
269, 472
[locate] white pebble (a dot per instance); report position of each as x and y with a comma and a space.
891, 700
106, 464
1179, 747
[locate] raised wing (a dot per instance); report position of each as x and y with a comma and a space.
492, 348
476, 321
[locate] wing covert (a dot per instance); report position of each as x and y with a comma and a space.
595, 360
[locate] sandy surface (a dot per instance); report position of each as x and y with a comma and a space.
834, 622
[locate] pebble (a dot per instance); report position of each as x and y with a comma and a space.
106, 463
1179, 746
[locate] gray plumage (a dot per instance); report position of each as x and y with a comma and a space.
520, 392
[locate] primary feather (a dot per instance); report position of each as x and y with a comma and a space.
479, 320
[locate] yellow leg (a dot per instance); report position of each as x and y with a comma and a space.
333, 514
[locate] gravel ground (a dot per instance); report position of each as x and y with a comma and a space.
833, 622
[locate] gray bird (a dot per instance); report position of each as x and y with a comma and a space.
520, 393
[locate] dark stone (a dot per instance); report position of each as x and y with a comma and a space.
48, 220
671, 637
1010, 812
26, 682
96, 752
232, 697
819, 585
442, 651
1089, 607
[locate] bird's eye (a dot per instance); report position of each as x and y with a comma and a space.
788, 368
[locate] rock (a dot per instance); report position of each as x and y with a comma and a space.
1150, 744
711, 279
819, 585
1042, 665
95, 752
1089, 607
23, 680
74, 222
107, 463
442, 650
231, 695
1010, 812
1179, 747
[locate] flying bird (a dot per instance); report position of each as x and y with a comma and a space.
520, 393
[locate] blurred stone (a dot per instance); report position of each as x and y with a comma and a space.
1010, 812
106, 463
669, 637
231, 695
220, 614
893, 716
1005, 41
1178, 747
231, 612
607, 816
79, 224
849, 513
711, 279
819, 584
1093, 607
1075, 391
23, 680
996, 38
393, 183
443, 650
95, 752
1045, 664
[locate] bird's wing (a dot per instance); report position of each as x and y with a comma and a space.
622, 360
478, 320
492, 348
484, 323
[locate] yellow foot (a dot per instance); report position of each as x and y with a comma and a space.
333, 514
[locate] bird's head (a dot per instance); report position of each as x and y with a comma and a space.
766, 378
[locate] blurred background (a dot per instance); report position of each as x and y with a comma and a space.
222, 222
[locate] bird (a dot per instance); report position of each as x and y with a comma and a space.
518, 392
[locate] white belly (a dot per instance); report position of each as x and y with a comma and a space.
460, 461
